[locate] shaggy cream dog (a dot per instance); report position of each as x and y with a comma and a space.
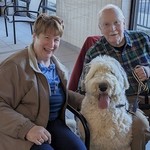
105, 105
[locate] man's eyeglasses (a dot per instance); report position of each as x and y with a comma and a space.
107, 26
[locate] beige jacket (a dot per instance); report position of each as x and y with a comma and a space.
24, 98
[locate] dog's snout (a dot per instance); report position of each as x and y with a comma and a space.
103, 87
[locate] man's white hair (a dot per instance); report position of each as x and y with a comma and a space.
113, 7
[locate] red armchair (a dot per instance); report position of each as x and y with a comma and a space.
77, 70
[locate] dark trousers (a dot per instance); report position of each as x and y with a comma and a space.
62, 138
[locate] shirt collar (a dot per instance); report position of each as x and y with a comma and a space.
45, 69
127, 38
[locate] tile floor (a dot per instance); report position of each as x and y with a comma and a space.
66, 53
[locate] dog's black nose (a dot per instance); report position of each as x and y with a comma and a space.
103, 87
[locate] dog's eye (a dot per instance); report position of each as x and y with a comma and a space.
112, 73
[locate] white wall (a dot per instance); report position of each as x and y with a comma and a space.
80, 17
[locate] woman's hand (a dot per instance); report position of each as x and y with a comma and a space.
38, 135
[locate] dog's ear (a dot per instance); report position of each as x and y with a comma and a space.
87, 67
90, 72
119, 71
123, 74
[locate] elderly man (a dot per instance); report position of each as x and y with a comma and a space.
132, 50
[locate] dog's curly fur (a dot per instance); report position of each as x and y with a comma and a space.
110, 124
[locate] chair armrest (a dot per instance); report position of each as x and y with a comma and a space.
84, 123
14, 7
145, 105
27, 11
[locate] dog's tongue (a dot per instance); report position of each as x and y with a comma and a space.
104, 101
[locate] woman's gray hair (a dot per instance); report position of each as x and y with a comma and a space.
111, 7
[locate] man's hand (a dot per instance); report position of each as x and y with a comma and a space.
143, 72
38, 135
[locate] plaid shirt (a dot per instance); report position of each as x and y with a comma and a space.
135, 52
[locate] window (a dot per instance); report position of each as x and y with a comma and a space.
141, 16
49, 6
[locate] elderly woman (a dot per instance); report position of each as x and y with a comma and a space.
33, 94
132, 50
